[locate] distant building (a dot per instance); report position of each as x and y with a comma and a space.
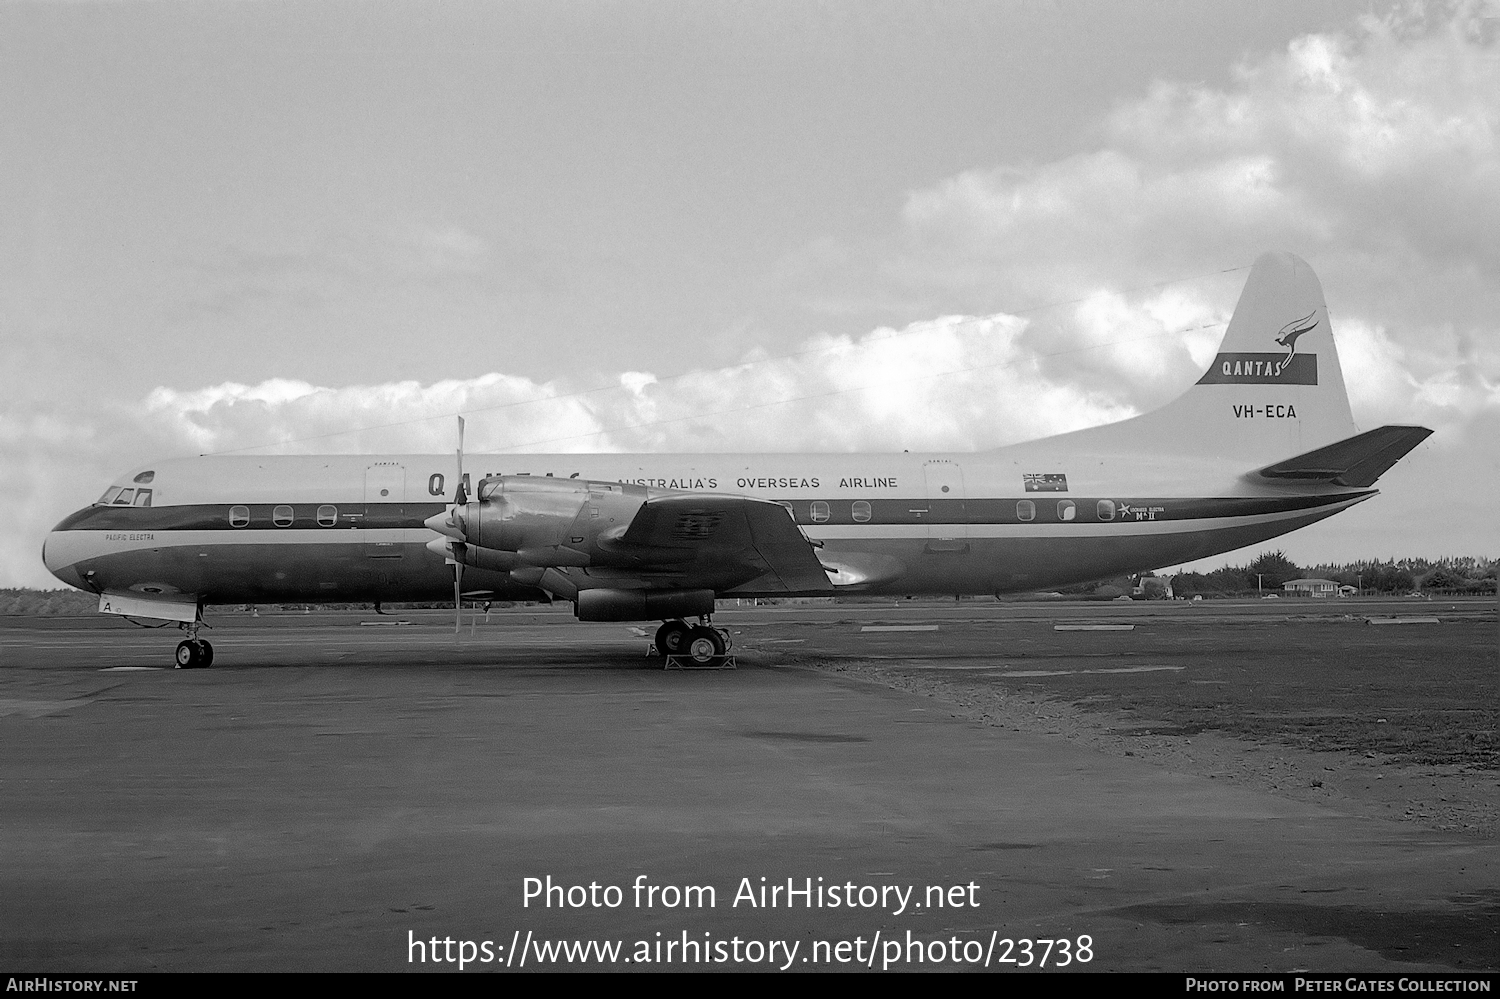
1149, 587
1311, 588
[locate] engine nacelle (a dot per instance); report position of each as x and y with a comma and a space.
641, 605
549, 521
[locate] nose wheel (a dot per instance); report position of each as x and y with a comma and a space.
194, 653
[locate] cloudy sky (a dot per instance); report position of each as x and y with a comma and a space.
754, 226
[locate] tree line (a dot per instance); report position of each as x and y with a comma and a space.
1270, 571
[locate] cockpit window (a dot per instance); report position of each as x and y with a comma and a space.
145, 477
124, 498
109, 495
143, 497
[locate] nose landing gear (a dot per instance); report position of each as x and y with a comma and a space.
194, 652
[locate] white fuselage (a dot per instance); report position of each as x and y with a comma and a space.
350, 527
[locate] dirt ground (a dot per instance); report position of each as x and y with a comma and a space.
1395, 722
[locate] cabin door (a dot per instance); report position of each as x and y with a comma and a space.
947, 517
385, 508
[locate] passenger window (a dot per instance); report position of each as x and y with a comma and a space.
328, 515
861, 511
239, 516
820, 512
124, 498
1066, 510
1026, 510
143, 497
109, 495
282, 516
1106, 509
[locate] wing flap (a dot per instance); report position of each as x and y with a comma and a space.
1355, 461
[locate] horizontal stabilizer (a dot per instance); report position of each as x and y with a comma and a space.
1355, 461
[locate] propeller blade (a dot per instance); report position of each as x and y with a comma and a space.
461, 495
458, 596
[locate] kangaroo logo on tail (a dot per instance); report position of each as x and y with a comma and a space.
1292, 330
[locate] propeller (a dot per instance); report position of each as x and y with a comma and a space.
460, 499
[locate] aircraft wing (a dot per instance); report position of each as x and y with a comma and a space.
707, 528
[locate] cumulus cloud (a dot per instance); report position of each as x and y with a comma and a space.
1375, 154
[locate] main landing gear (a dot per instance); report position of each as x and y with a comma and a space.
701, 643
195, 652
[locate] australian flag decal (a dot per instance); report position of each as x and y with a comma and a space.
1045, 482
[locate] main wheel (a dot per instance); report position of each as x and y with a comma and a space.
188, 655
704, 645
205, 653
672, 638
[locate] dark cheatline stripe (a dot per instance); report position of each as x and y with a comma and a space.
1049, 509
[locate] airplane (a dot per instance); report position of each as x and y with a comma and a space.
1262, 444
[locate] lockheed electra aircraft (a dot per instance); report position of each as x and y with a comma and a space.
1261, 445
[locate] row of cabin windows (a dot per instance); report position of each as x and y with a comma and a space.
821, 512
1025, 511
1066, 510
328, 514
283, 516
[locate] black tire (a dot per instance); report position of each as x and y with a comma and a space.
188, 655
672, 638
205, 653
704, 645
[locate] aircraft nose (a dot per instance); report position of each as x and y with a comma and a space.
56, 564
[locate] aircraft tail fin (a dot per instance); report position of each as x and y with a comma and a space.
1357, 461
1275, 387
